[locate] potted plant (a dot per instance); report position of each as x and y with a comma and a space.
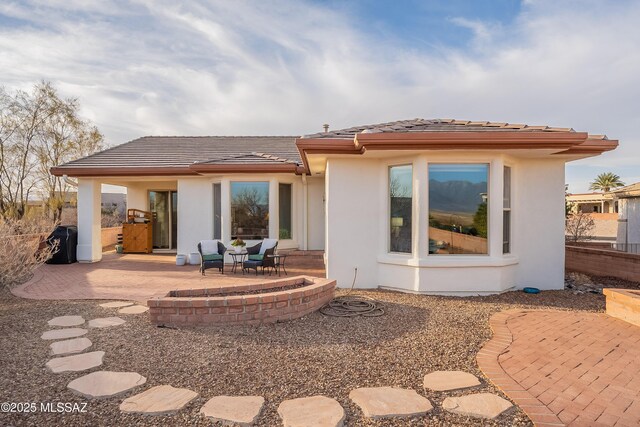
238, 245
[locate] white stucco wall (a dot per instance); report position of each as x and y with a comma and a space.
195, 213
538, 222
358, 228
315, 213
352, 194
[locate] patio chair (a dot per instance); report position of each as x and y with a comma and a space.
211, 255
258, 256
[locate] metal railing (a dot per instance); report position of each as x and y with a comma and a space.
632, 248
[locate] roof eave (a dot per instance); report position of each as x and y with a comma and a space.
120, 171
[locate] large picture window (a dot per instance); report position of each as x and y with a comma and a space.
458, 208
249, 210
400, 207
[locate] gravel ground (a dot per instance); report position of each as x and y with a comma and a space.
309, 356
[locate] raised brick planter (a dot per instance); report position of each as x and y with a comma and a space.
213, 306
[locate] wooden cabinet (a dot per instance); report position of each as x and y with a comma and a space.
137, 232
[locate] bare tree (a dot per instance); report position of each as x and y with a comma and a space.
579, 227
39, 130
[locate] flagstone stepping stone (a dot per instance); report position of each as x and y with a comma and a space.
60, 334
159, 400
316, 411
233, 410
105, 322
449, 380
116, 304
102, 384
390, 402
134, 309
79, 362
75, 345
66, 321
481, 405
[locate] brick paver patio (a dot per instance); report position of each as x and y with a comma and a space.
566, 368
140, 277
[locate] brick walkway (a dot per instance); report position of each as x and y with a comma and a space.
566, 368
140, 277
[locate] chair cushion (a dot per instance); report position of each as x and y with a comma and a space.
212, 257
251, 264
209, 247
267, 244
257, 257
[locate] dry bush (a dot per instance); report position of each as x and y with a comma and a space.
23, 248
579, 227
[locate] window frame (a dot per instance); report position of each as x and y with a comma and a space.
509, 241
268, 203
291, 210
489, 163
388, 197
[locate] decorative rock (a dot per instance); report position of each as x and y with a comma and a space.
75, 345
389, 402
66, 321
481, 405
233, 410
316, 411
134, 309
79, 362
159, 400
103, 384
449, 380
105, 322
116, 304
60, 334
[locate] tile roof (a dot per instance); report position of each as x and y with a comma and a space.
169, 155
439, 125
182, 151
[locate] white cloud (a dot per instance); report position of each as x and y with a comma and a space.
165, 67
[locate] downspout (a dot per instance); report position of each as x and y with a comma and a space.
70, 181
305, 221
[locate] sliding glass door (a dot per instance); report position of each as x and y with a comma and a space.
164, 206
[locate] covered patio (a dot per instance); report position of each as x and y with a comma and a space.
140, 277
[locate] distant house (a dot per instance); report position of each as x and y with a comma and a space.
603, 208
435, 206
628, 198
592, 202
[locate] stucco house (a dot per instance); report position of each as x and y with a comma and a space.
437, 206
628, 199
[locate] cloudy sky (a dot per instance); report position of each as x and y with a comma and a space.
162, 67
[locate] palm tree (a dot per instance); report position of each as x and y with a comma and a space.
606, 181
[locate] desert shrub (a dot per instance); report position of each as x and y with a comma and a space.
23, 248
579, 227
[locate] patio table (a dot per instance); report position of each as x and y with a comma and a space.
238, 258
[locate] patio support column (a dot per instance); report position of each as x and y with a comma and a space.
496, 183
274, 209
89, 230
